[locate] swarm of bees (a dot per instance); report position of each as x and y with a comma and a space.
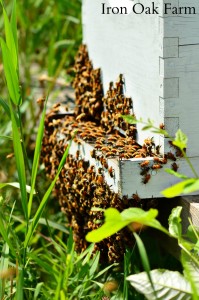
88, 87
115, 105
81, 185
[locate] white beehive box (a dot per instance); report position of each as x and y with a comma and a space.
158, 54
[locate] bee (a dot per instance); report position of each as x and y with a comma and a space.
156, 167
160, 160
174, 167
161, 126
112, 138
104, 162
105, 149
90, 169
136, 197
100, 179
93, 153
136, 227
77, 154
179, 153
157, 149
81, 116
110, 286
144, 163
111, 171
144, 171
100, 170
110, 154
170, 155
100, 191
146, 178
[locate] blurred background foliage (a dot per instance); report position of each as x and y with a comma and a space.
49, 34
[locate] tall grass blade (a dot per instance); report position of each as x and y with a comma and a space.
13, 23
3, 266
5, 236
43, 203
10, 39
16, 185
145, 261
10, 74
6, 137
37, 290
5, 107
20, 163
20, 285
36, 158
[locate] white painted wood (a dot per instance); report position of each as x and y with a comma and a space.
159, 57
127, 179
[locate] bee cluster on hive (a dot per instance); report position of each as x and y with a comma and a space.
88, 176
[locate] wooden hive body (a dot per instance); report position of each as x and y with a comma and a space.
158, 54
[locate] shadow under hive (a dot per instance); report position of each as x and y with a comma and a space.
82, 184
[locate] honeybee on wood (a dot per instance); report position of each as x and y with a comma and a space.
111, 171
156, 167
146, 178
110, 154
104, 162
157, 149
81, 116
144, 171
93, 153
90, 169
162, 160
144, 163
161, 126
171, 156
100, 179
136, 197
174, 167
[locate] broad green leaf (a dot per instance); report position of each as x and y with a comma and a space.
16, 185
175, 226
169, 285
192, 187
36, 158
44, 201
191, 271
193, 233
180, 140
176, 174
115, 221
178, 188
19, 157
10, 74
10, 42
